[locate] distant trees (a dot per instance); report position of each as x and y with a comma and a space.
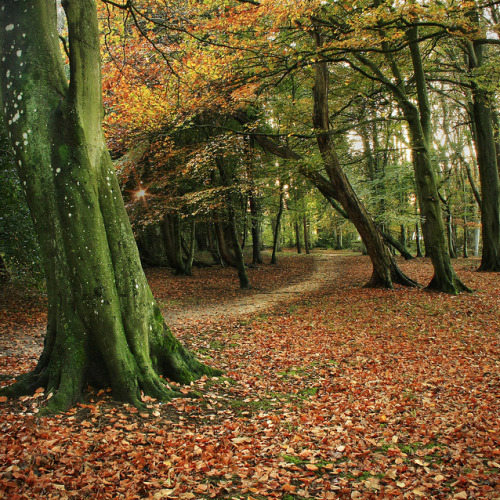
394, 75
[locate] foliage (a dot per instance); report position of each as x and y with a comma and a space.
186, 69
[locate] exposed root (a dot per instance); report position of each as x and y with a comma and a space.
401, 278
452, 286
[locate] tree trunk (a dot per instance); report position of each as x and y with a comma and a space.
278, 225
486, 152
256, 240
339, 188
192, 246
445, 278
225, 254
476, 232
402, 235
449, 233
419, 125
417, 240
306, 235
240, 261
298, 243
490, 184
171, 231
233, 230
151, 245
104, 326
397, 245
340, 243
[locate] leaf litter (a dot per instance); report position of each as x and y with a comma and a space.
337, 392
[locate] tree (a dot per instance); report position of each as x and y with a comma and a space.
19, 252
399, 34
484, 137
104, 326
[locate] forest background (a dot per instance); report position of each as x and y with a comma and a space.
251, 125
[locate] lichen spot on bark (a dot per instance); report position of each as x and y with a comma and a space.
9, 27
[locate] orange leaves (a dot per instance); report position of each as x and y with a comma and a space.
355, 394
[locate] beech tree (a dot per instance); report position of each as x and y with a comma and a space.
104, 326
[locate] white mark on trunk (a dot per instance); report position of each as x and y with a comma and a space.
19, 53
9, 27
8, 73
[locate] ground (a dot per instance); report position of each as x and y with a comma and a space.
329, 391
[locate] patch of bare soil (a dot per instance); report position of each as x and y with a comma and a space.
324, 271
210, 295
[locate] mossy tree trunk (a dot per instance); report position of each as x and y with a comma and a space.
104, 326
418, 117
233, 228
277, 225
487, 160
420, 128
338, 187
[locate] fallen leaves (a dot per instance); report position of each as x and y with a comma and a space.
354, 394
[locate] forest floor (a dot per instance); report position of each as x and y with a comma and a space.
329, 391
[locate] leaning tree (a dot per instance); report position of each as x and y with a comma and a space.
104, 326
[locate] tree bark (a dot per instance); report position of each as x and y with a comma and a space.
171, 232
339, 188
419, 125
256, 240
278, 225
417, 240
233, 228
104, 326
298, 243
484, 139
306, 235
225, 254
397, 245
192, 246
151, 245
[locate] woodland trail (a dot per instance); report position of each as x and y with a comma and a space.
326, 270
23, 322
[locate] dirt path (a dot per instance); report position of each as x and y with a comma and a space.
325, 271
24, 339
